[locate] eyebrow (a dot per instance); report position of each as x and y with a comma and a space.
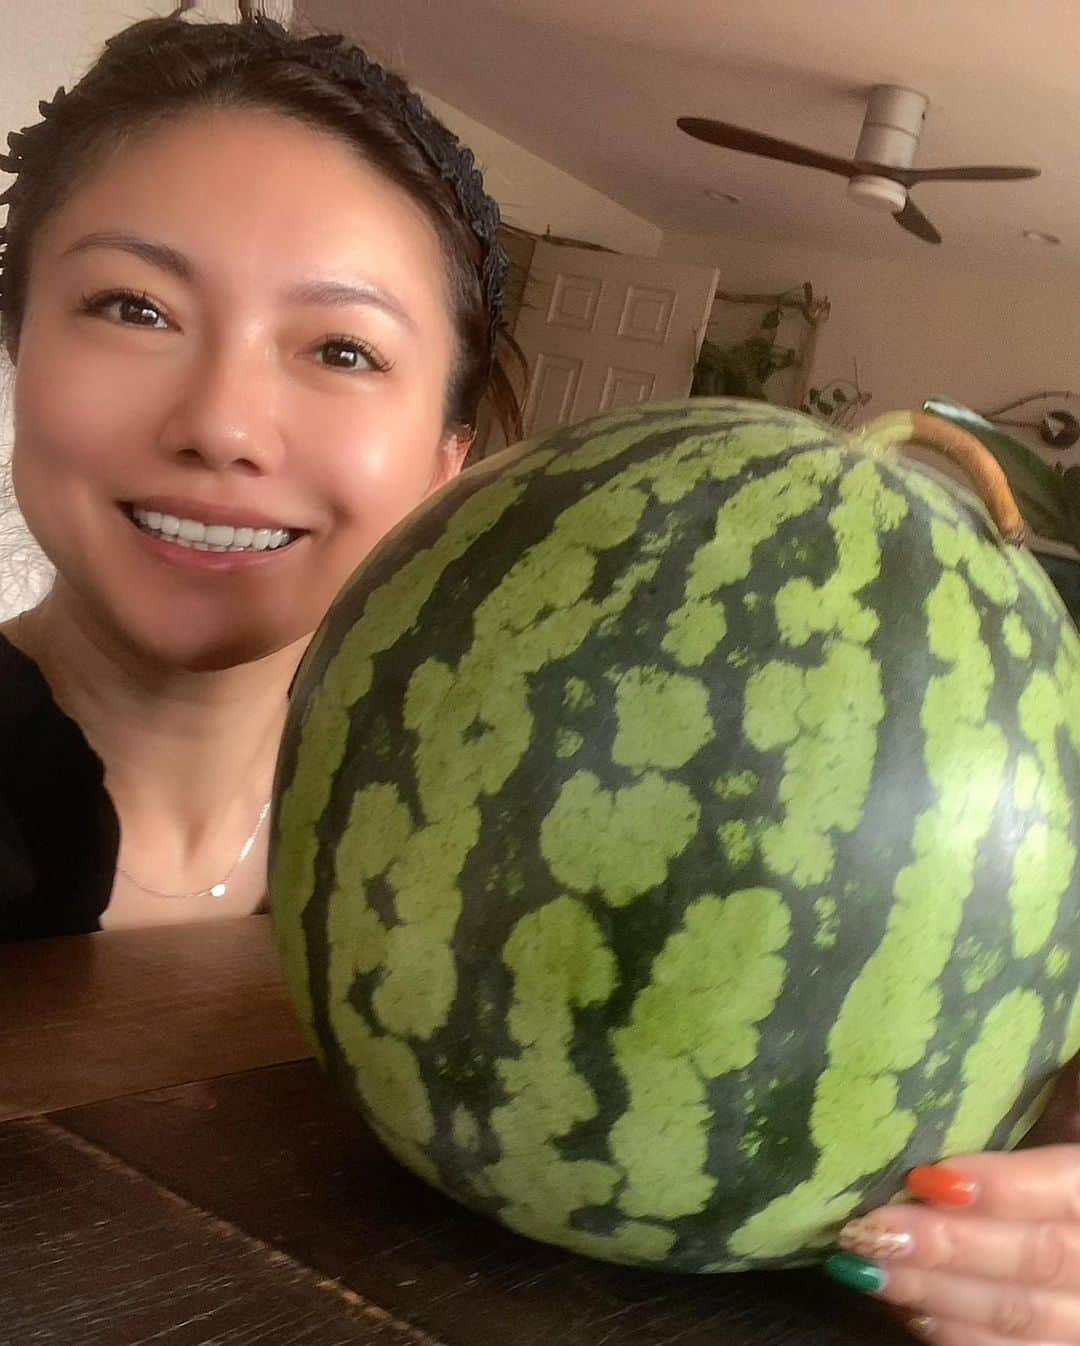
332, 293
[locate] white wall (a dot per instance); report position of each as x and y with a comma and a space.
918, 326
535, 195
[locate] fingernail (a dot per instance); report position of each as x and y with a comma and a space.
856, 1273
869, 1239
942, 1185
923, 1326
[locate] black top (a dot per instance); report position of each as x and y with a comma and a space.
59, 833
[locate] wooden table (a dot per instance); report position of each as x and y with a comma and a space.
174, 1170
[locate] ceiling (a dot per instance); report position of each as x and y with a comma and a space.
594, 86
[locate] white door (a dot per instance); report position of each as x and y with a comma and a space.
601, 330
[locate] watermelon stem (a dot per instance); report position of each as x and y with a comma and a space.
884, 434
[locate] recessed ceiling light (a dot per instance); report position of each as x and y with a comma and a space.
728, 197
1039, 236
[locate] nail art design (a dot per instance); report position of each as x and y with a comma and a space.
856, 1273
923, 1326
867, 1238
941, 1185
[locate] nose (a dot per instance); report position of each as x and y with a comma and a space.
222, 414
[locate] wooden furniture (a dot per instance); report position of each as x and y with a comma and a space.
174, 1169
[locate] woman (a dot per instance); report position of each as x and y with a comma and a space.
251, 293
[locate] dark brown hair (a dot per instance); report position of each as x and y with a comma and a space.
159, 69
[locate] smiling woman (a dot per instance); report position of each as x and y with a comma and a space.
252, 291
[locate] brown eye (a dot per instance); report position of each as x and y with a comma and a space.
126, 308
137, 311
349, 356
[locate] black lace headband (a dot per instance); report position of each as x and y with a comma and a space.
347, 65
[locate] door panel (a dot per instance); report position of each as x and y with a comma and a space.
601, 330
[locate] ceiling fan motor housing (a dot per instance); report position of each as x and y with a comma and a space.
890, 136
892, 126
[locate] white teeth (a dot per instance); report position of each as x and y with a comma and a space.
211, 537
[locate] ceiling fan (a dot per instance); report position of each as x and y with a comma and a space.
881, 174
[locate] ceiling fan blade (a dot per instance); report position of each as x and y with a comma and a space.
915, 222
753, 142
974, 173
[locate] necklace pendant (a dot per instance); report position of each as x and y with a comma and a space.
218, 890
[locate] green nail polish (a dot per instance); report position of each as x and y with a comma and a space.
856, 1273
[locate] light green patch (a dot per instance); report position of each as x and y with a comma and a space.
712, 983
418, 976
578, 695
663, 719
695, 630
465, 1131
986, 564
736, 785
828, 926
826, 720
567, 743
377, 832
994, 1071
644, 826
1057, 960
1027, 781
867, 509
982, 966
890, 1013
738, 842
1041, 715
559, 962
1017, 636
419, 983
1042, 869
750, 1143
934, 1063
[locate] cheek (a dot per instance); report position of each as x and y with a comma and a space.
71, 410
374, 468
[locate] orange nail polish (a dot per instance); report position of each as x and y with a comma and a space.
941, 1185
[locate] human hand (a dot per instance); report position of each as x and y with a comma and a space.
988, 1255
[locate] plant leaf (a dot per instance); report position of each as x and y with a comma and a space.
1039, 491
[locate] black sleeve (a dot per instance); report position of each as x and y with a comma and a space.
59, 833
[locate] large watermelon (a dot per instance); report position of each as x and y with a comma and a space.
675, 834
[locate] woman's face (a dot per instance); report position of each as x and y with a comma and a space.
232, 321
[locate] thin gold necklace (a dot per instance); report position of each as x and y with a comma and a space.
218, 889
